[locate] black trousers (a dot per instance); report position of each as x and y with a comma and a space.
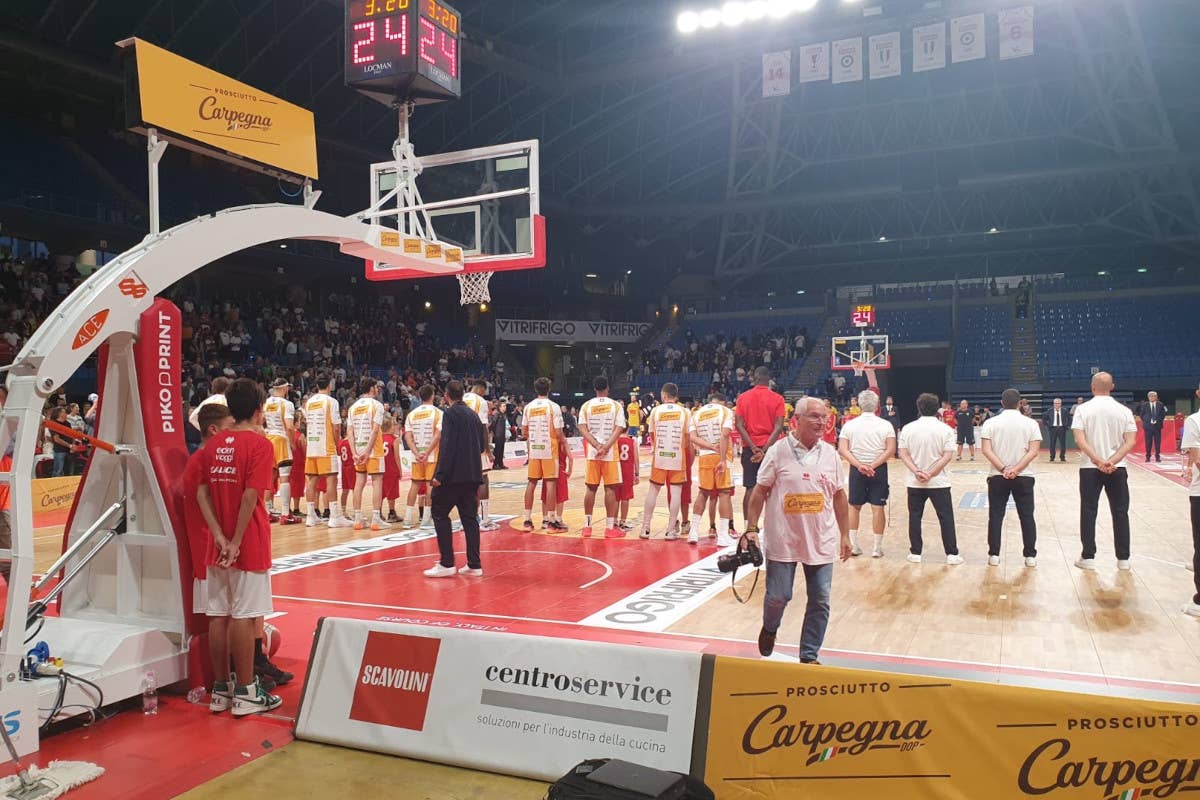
1116, 487
944, 506
1058, 436
1196, 546
1020, 489
462, 496
498, 454
1153, 436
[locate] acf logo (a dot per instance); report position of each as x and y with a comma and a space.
88, 330
394, 680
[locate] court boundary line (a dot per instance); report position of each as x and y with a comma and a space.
608, 570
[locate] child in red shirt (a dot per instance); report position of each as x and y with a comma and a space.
349, 476
627, 454
238, 466
391, 468
561, 491
296, 479
213, 418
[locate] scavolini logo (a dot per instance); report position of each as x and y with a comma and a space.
395, 679
1060, 764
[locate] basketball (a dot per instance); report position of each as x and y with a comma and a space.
272, 638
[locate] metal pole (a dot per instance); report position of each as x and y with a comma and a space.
154, 153
78, 545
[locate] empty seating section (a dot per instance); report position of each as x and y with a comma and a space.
1144, 338
908, 325
984, 342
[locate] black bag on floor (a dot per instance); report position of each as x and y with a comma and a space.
613, 779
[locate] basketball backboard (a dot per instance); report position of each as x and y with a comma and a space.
481, 202
860, 352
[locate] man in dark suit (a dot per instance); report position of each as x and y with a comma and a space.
456, 484
499, 434
890, 413
1153, 413
1057, 420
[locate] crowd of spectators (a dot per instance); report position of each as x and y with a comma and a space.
729, 360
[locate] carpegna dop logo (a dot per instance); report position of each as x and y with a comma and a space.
395, 679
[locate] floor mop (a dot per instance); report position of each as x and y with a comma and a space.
44, 784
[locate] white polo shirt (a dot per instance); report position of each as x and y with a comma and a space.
927, 439
1191, 438
1105, 422
1010, 433
867, 435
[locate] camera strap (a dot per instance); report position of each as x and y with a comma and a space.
733, 586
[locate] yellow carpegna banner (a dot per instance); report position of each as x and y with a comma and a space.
183, 98
54, 494
780, 730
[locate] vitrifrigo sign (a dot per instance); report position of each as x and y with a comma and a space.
844, 733
522, 705
569, 330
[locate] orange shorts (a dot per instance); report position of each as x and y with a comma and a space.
606, 472
374, 466
323, 465
665, 476
710, 482
543, 469
423, 472
283, 449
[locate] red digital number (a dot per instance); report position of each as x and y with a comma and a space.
449, 48
368, 41
401, 36
428, 40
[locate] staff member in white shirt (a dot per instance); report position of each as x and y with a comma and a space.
1191, 465
800, 487
1105, 432
1011, 442
926, 446
867, 442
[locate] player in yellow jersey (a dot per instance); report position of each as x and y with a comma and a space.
364, 423
601, 422
633, 415
475, 401
543, 429
422, 434
279, 418
710, 432
668, 425
323, 420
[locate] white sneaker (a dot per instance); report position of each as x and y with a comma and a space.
312, 521
1030, 561
993, 561
1085, 563
672, 535
489, 526
438, 571
855, 550
408, 522
426, 524
725, 541
1191, 609
341, 522
693, 538
474, 573
253, 700
914, 558
877, 552
644, 535
954, 560
1124, 564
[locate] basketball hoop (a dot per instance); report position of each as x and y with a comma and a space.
473, 287
859, 368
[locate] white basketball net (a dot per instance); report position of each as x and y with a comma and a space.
473, 287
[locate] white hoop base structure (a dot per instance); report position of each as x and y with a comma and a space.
473, 287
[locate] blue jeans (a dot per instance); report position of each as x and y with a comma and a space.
60, 464
818, 579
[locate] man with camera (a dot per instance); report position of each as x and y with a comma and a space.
806, 523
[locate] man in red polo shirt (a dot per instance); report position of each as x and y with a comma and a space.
759, 420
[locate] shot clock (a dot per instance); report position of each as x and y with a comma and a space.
403, 49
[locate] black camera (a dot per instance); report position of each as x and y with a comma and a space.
747, 552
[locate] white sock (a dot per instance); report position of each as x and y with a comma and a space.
854, 538
673, 507
723, 527
648, 510
285, 497
483, 509
358, 515
608, 523
410, 512
695, 532
878, 541
335, 510
529, 513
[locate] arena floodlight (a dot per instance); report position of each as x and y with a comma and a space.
710, 18
756, 10
687, 22
733, 14
778, 9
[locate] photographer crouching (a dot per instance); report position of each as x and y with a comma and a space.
806, 523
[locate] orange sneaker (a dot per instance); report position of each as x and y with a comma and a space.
614, 533
587, 532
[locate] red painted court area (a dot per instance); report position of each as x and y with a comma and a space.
529, 576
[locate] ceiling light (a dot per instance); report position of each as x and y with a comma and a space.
687, 22
1102, 272
883, 238
1142, 269
710, 18
799, 291
628, 272
993, 230
590, 275
733, 14
283, 247
483, 306
428, 304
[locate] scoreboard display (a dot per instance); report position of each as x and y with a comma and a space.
403, 50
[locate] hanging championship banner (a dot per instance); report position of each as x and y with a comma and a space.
814, 62
929, 47
1016, 33
777, 74
966, 38
884, 52
847, 60
844, 734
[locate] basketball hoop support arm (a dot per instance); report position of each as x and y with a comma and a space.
154, 153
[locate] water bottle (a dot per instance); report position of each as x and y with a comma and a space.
198, 695
149, 694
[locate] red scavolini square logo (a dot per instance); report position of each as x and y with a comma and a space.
394, 680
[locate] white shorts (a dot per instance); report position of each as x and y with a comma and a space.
238, 594
199, 595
